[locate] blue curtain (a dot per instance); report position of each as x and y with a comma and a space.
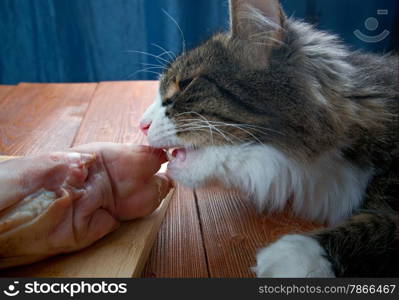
97, 40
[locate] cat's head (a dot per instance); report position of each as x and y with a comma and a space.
258, 84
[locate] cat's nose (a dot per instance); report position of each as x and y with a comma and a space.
145, 126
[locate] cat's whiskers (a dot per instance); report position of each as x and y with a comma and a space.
222, 124
210, 125
161, 59
146, 70
164, 62
153, 65
178, 27
212, 128
189, 127
246, 131
166, 53
249, 126
170, 53
254, 127
230, 134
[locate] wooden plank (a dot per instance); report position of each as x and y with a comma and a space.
115, 111
5, 90
37, 118
179, 250
120, 254
233, 231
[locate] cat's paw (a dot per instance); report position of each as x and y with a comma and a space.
293, 256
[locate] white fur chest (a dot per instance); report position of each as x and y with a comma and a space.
327, 190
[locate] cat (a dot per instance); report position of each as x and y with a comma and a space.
286, 112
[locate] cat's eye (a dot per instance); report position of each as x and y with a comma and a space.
183, 84
168, 101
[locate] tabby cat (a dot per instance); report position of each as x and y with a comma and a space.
286, 112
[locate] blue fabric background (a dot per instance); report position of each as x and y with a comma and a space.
90, 40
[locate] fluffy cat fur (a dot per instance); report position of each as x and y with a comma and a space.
286, 112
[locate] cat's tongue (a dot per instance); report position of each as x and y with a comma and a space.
179, 154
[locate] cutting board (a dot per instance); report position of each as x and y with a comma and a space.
122, 253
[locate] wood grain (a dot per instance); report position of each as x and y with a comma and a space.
37, 118
5, 90
115, 111
233, 231
122, 253
179, 251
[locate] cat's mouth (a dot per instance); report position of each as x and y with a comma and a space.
179, 154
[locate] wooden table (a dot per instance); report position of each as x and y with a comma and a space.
206, 232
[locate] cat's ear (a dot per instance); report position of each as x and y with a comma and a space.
249, 17
258, 22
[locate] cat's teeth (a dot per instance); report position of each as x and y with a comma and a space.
171, 153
